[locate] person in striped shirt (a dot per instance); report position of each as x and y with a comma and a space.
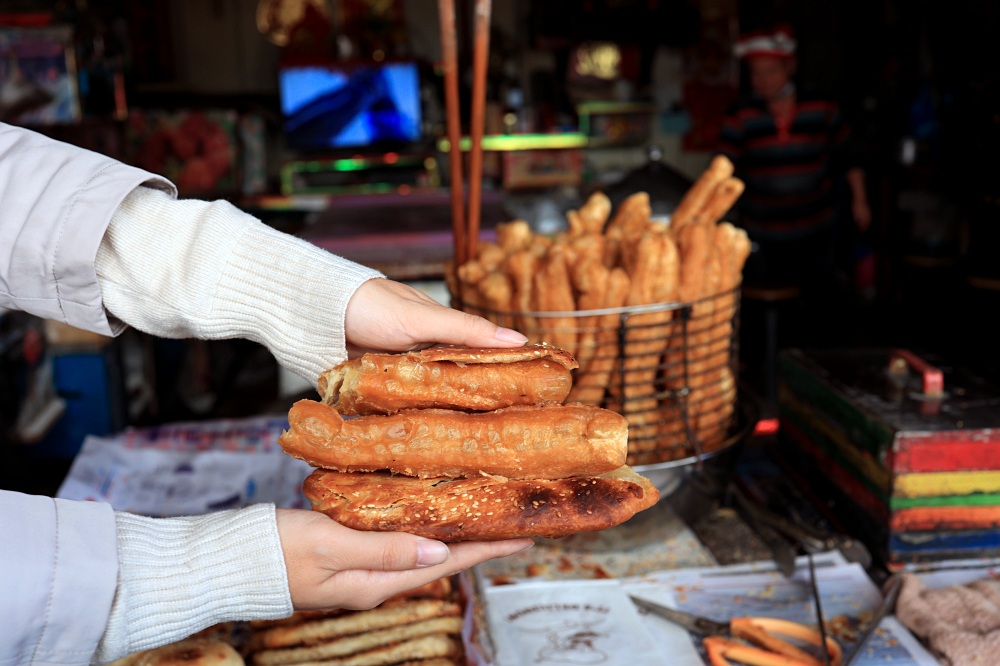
793, 151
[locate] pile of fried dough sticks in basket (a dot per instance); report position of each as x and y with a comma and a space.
649, 309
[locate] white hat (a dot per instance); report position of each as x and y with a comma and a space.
778, 42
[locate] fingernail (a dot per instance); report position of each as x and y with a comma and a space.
510, 335
430, 553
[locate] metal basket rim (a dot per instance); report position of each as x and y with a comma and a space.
748, 414
666, 306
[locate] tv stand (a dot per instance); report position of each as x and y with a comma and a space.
360, 174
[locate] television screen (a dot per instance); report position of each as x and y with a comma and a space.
336, 106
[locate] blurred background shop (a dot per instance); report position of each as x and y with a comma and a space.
611, 95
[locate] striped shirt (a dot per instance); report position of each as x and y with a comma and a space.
790, 172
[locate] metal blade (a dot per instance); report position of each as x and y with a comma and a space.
693, 623
887, 605
819, 610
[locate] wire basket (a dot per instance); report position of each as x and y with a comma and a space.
669, 368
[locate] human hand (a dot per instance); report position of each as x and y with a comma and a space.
384, 315
862, 214
332, 566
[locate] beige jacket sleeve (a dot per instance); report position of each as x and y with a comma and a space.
56, 202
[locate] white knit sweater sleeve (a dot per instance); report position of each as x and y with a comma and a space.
189, 268
177, 576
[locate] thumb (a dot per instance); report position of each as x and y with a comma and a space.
391, 551
470, 330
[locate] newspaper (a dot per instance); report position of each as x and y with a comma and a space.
188, 468
848, 597
568, 622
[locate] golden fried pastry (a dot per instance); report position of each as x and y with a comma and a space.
551, 441
480, 508
449, 378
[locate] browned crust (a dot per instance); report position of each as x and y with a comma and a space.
481, 508
513, 355
549, 442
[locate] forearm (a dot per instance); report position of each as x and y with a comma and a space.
207, 270
179, 575
856, 182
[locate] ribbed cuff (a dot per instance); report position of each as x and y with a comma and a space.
208, 270
291, 296
179, 575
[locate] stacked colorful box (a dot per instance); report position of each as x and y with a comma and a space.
917, 478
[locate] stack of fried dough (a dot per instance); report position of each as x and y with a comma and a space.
462, 444
649, 308
421, 627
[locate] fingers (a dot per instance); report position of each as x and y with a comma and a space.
375, 586
390, 316
453, 327
470, 553
394, 551
385, 551
332, 566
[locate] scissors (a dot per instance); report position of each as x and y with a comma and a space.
763, 632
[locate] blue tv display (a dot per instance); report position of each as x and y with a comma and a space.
338, 106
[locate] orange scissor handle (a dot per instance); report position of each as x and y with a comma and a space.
772, 651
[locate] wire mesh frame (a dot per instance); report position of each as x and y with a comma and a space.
669, 368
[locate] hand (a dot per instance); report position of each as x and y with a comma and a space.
332, 566
384, 315
862, 214
860, 210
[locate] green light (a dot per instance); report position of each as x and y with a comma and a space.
508, 142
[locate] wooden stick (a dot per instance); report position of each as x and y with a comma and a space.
480, 60
449, 56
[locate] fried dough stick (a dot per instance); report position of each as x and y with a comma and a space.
732, 246
553, 293
521, 266
694, 199
655, 279
590, 280
697, 365
625, 229
592, 381
496, 294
